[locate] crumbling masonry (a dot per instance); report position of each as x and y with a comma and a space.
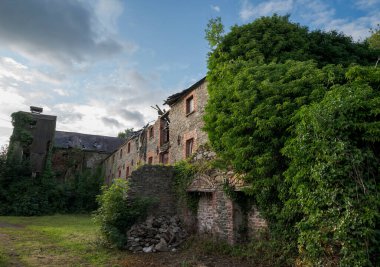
144, 158
177, 135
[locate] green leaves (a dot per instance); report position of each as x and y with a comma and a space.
333, 171
116, 213
214, 31
286, 110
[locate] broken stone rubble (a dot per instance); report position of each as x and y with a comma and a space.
156, 234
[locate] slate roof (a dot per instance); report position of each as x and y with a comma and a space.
176, 97
88, 142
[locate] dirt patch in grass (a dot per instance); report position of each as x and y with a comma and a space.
8, 255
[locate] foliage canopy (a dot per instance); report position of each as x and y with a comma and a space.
267, 78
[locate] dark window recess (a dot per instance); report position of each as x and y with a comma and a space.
119, 173
151, 132
150, 160
129, 148
121, 153
127, 172
189, 105
164, 133
164, 158
132, 162
189, 147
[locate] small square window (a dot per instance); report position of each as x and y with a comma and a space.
189, 105
189, 147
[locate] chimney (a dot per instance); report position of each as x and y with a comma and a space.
37, 110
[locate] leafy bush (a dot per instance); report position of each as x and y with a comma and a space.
116, 213
260, 76
334, 172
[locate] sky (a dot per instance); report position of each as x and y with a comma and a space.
99, 65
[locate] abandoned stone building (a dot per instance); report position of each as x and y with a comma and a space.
74, 153
144, 159
177, 135
71, 153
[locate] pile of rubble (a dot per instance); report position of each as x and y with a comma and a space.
162, 233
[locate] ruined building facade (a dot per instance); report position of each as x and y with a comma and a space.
145, 157
177, 135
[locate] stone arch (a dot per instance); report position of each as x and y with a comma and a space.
201, 183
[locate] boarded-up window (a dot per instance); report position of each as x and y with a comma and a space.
189, 147
189, 104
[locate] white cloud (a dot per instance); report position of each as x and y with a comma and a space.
249, 11
318, 14
367, 4
323, 16
215, 8
107, 12
61, 92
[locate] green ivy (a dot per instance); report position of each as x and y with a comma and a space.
183, 176
334, 173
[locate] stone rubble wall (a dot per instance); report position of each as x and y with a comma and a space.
154, 181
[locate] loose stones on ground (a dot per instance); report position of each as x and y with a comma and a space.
156, 234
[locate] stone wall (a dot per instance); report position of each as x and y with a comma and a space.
155, 182
185, 126
218, 214
256, 223
126, 158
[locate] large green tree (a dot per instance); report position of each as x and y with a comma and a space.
260, 75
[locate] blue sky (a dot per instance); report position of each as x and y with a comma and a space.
100, 64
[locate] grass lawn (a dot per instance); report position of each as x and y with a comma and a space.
59, 240
72, 240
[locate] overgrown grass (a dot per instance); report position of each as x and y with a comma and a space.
260, 251
59, 240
